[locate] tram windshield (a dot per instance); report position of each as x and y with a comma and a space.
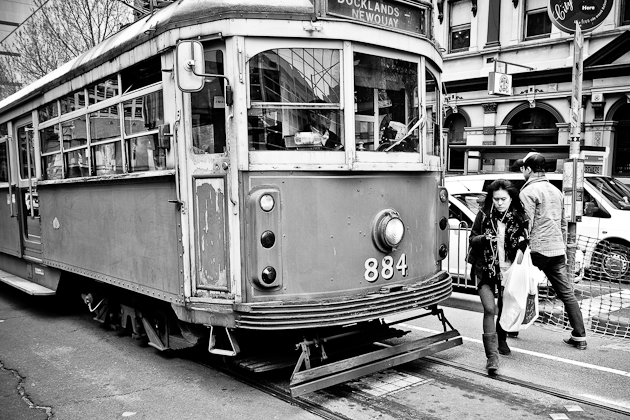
295, 97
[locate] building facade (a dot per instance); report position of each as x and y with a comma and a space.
487, 131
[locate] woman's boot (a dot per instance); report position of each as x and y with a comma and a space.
490, 345
504, 349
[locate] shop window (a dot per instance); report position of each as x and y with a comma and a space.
308, 79
621, 155
537, 21
208, 108
459, 25
386, 104
455, 123
535, 126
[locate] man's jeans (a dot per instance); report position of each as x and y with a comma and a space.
555, 268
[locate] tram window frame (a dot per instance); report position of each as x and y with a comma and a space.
284, 152
4, 158
22, 159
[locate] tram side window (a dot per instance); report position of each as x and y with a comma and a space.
105, 141
295, 95
142, 117
50, 146
74, 138
48, 112
105, 89
27, 151
143, 74
386, 104
208, 109
434, 130
72, 102
4, 165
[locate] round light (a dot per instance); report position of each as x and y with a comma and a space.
443, 251
269, 275
443, 195
443, 223
387, 230
267, 239
267, 202
394, 232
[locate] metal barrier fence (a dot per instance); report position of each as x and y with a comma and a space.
601, 282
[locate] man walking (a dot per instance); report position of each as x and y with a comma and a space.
543, 204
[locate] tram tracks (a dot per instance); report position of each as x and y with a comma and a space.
281, 392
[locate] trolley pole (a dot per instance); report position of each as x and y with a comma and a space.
573, 174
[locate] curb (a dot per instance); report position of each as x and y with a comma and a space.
463, 301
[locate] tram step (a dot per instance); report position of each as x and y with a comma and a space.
25, 285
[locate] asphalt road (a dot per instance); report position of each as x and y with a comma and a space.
56, 361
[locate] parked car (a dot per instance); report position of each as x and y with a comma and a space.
606, 219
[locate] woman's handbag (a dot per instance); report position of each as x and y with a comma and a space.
520, 295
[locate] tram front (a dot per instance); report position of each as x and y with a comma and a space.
331, 213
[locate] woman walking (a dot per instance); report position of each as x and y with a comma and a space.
498, 233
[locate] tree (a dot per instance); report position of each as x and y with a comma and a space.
57, 32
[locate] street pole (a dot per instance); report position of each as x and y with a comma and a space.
573, 174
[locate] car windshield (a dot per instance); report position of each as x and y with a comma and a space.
473, 201
615, 191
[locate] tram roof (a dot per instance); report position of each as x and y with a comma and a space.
179, 14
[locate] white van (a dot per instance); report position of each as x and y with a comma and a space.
606, 215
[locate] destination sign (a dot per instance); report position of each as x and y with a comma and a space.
386, 13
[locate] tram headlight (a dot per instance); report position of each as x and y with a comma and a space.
388, 230
267, 202
443, 195
443, 223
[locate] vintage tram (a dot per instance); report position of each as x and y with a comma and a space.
239, 174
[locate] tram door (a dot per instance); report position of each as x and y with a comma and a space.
27, 198
210, 169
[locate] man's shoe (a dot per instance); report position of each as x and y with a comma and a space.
580, 345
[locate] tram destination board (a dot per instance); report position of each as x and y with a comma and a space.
386, 13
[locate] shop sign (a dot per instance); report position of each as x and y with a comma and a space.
386, 13
499, 83
588, 13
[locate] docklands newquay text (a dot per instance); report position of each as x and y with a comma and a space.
374, 12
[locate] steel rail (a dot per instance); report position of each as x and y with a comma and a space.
530, 385
275, 391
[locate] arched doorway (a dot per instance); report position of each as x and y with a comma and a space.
621, 155
455, 124
534, 126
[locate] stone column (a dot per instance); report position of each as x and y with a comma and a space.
489, 132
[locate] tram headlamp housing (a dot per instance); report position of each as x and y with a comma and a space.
267, 202
443, 251
443, 223
388, 230
268, 275
267, 239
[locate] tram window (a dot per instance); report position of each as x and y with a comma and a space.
4, 166
107, 158
102, 90
208, 109
309, 77
104, 125
72, 102
144, 113
145, 155
25, 141
142, 74
432, 143
386, 104
74, 138
48, 112
51, 161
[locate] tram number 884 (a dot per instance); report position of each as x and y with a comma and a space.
387, 268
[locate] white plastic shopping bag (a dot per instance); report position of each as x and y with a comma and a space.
520, 295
